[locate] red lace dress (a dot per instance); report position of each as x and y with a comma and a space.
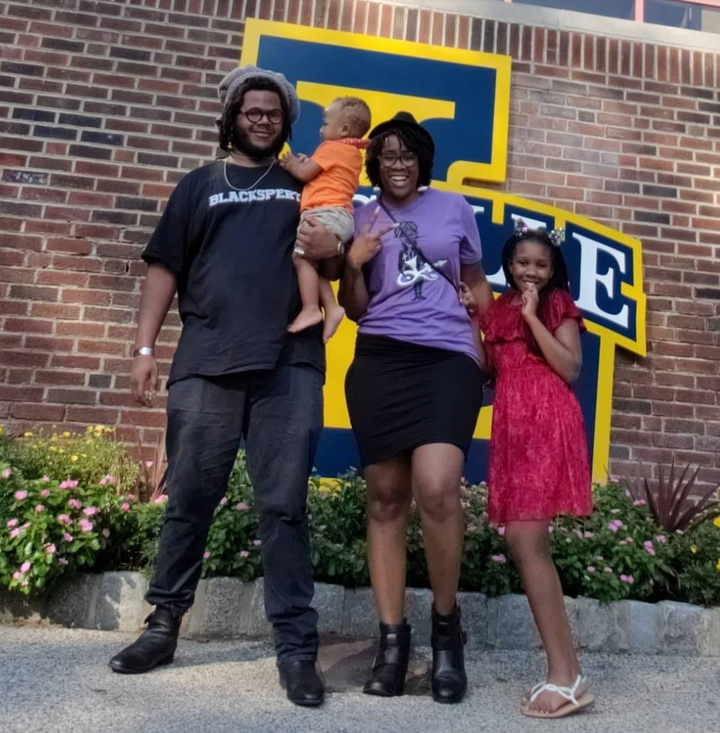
539, 464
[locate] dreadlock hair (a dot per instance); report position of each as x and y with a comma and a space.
559, 278
414, 140
227, 121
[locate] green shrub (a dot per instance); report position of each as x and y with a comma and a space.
616, 553
45, 530
696, 556
51, 528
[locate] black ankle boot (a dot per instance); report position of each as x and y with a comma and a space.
391, 662
155, 646
302, 683
449, 680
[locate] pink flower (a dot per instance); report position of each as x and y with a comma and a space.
15, 533
649, 547
17, 575
612, 527
106, 533
587, 535
244, 553
125, 507
69, 484
661, 539
257, 543
45, 493
206, 555
130, 497
607, 570
50, 548
25, 566
39, 508
20, 495
102, 482
622, 542
639, 502
223, 501
85, 525
75, 504
45, 479
6, 473
590, 569
160, 500
67, 537
614, 511
91, 511
500, 559
12, 523
64, 519
62, 561
111, 479
501, 530
242, 507
471, 528
627, 579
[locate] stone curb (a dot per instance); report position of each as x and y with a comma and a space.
227, 608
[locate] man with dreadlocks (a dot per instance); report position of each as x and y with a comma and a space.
223, 244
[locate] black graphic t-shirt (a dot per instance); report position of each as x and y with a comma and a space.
232, 253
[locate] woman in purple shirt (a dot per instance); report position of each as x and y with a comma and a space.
414, 389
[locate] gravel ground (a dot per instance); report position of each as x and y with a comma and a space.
54, 679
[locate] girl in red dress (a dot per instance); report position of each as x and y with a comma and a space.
538, 450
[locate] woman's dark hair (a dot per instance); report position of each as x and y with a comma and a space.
414, 140
226, 123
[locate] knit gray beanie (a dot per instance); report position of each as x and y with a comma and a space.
237, 80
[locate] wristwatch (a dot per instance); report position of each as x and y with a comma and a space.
144, 351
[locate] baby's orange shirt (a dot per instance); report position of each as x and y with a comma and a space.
341, 164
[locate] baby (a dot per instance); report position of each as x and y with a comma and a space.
331, 176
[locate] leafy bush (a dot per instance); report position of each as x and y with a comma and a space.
58, 515
672, 503
616, 553
87, 457
696, 556
52, 527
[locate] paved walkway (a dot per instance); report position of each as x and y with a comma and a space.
56, 680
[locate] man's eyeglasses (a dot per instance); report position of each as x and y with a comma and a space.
406, 158
255, 114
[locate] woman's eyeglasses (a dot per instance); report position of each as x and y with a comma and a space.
255, 114
406, 158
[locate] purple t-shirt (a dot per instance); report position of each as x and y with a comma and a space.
409, 300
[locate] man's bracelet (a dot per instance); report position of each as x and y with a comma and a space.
144, 351
340, 247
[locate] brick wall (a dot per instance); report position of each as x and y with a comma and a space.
105, 105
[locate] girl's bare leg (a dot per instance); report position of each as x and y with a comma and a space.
530, 548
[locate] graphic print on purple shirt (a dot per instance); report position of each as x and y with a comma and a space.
409, 300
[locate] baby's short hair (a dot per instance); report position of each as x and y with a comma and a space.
356, 113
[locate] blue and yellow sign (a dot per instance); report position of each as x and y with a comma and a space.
462, 98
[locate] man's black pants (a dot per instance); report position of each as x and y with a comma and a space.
279, 414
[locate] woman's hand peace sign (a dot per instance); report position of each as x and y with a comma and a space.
367, 244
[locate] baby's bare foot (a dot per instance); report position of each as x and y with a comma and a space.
311, 315
333, 319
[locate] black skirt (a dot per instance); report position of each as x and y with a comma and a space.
401, 396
